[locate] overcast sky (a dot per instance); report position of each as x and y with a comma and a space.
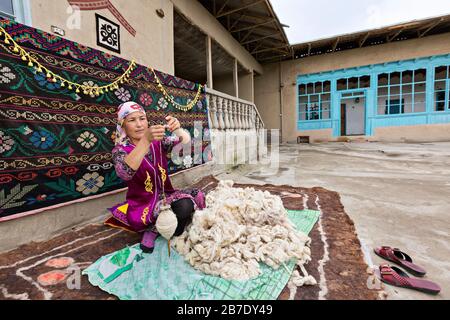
316, 19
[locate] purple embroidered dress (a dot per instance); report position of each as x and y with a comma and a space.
147, 184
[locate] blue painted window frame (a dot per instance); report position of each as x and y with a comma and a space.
358, 86
321, 101
446, 90
374, 120
21, 12
396, 104
396, 97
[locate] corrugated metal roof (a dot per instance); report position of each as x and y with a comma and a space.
254, 24
398, 32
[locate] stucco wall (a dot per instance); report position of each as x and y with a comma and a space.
152, 45
267, 96
267, 86
224, 84
246, 89
245, 85
418, 133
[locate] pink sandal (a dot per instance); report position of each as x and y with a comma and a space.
402, 259
396, 277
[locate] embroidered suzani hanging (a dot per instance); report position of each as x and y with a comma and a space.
56, 135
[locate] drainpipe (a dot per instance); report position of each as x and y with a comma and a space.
281, 103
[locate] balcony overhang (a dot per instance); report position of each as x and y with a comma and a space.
254, 24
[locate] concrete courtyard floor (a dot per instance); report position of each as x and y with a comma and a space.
398, 194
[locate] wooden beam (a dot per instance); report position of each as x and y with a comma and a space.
247, 35
265, 29
259, 45
280, 50
395, 35
237, 9
270, 42
262, 38
255, 17
336, 44
253, 26
235, 22
364, 39
221, 8
267, 49
273, 57
434, 25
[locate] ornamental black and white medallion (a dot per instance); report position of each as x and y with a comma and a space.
108, 34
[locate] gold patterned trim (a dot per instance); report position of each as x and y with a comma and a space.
57, 105
163, 173
53, 161
148, 184
144, 216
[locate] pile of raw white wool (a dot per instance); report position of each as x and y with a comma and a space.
240, 228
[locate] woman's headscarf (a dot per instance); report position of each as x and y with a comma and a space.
123, 111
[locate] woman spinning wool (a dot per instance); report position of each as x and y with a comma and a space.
140, 159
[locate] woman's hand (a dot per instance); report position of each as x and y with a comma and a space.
154, 133
173, 123
134, 159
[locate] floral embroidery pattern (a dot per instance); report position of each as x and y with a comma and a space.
42, 139
123, 95
146, 99
87, 140
6, 142
162, 104
6, 76
90, 183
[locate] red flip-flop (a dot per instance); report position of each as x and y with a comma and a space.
402, 259
396, 277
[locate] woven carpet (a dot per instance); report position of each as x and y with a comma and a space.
341, 272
